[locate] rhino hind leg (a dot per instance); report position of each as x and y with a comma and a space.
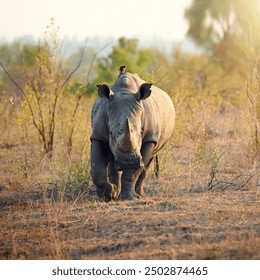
100, 157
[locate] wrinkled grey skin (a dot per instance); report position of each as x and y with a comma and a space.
131, 122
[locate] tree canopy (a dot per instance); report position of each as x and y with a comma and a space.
228, 30
211, 22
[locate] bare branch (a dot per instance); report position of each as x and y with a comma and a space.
162, 77
11, 78
213, 172
37, 96
248, 95
26, 97
76, 68
93, 60
234, 182
258, 80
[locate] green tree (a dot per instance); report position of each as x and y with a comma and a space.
212, 22
225, 29
126, 52
16, 56
45, 88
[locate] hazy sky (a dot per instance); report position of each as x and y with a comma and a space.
160, 19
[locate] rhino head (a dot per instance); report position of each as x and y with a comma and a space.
125, 124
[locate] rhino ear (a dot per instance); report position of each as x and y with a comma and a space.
104, 91
144, 91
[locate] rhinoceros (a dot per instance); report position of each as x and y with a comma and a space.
131, 122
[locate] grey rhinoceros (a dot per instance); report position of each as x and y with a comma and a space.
131, 122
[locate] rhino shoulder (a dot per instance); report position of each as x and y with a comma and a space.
94, 110
99, 120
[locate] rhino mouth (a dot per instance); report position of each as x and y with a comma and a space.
128, 161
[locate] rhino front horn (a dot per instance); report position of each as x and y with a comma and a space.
127, 144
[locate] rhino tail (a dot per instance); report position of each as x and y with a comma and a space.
156, 167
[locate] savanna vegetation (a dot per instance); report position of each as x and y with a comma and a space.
204, 205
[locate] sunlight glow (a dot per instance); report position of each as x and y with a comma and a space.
86, 18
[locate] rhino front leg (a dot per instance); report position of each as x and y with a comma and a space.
100, 157
146, 152
129, 178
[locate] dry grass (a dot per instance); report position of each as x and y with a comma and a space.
187, 226
182, 216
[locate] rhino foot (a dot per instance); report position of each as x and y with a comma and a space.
129, 196
107, 194
140, 191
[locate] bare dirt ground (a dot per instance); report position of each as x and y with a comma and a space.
191, 225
